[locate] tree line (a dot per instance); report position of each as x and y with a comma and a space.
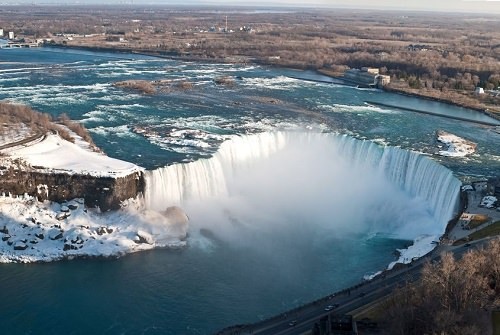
453, 297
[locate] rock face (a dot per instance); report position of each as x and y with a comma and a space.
176, 215
178, 221
104, 192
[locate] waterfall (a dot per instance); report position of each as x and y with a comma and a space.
412, 172
415, 173
208, 177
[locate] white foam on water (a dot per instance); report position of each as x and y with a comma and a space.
329, 182
276, 83
336, 108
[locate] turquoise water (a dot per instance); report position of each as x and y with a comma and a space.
80, 84
213, 282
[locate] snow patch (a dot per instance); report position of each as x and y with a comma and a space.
56, 155
488, 201
422, 245
456, 146
12, 133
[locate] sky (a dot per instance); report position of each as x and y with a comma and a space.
485, 6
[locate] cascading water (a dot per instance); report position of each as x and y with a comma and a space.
208, 177
414, 174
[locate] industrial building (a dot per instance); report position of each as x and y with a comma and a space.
366, 77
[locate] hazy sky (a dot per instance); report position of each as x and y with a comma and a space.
485, 6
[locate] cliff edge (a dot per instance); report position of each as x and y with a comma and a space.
49, 167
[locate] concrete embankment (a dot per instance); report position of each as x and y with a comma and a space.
487, 123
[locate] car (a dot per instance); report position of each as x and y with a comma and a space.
467, 245
362, 294
293, 323
331, 307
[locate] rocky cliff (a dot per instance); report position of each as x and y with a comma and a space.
104, 192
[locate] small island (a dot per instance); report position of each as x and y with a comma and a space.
455, 145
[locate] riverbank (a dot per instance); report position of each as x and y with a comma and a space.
455, 98
492, 111
476, 105
374, 103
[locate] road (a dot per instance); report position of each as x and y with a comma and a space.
25, 141
349, 300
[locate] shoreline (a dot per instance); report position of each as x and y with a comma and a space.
486, 123
390, 89
251, 60
493, 115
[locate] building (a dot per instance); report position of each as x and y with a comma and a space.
479, 90
1, 32
11, 35
371, 70
382, 80
335, 325
367, 77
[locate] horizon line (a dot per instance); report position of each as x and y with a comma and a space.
281, 6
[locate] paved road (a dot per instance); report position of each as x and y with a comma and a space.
349, 300
23, 141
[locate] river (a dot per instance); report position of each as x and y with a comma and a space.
260, 262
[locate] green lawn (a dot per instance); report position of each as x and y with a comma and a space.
492, 230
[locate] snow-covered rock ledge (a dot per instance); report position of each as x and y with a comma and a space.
52, 154
33, 231
455, 146
51, 168
421, 246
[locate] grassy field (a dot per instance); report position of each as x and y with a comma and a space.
491, 230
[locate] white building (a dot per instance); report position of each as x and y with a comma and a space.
11, 35
1, 32
479, 90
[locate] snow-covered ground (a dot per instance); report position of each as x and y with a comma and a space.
488, 201
32, 231
14, 133
422, 245
455, 146
55, 154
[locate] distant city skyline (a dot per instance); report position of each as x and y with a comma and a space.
479, 6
